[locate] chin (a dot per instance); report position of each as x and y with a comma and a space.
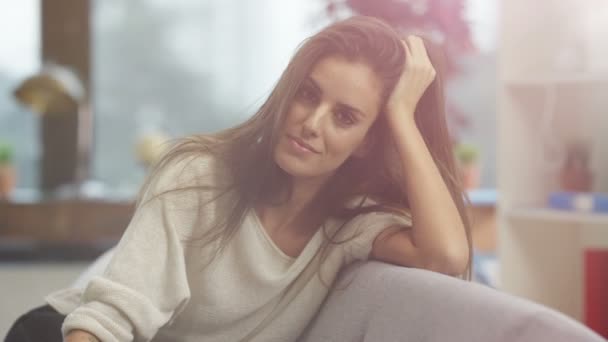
290, 165
295, 167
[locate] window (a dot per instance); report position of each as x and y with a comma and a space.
19, 59
183, 67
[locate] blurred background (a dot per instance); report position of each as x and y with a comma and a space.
92, 91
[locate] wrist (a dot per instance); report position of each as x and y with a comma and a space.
399, 119
402, 106
405, 133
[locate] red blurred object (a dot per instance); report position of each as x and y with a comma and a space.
596, 290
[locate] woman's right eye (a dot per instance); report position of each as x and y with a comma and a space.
307, 94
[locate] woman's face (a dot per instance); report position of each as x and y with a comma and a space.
329, 118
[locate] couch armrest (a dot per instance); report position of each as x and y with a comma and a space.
373, 301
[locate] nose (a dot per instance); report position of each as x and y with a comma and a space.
313, 122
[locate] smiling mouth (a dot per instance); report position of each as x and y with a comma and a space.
301, 144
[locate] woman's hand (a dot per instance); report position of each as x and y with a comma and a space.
80, 336
418, 73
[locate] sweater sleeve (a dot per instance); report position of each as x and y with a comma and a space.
145, 285
364, 229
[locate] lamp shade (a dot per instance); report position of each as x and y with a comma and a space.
55, 90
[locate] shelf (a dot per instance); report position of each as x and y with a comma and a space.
559, 216
483, 197
557, 79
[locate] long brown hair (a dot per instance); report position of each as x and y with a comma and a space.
246, 150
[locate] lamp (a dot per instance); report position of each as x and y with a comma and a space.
55, 93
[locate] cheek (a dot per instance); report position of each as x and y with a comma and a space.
295, 113
344, 143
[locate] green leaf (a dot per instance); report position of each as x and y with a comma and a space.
6, 153
466, 153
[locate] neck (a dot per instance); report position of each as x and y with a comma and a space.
291, 214
304, 191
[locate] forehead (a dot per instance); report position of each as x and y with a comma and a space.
353, 83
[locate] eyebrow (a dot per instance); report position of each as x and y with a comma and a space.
311, 82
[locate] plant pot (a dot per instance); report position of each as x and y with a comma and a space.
8, 180
470, 175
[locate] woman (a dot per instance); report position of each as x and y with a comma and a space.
239, 235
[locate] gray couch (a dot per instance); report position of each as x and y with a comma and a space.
389, 303
378, 302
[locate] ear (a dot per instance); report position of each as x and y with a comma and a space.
365, 147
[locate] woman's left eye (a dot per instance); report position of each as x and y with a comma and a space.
345, 117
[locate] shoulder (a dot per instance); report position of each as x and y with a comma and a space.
375, 221
371, 219
375, 212
183, 193
355, 237
184, 170
184, 180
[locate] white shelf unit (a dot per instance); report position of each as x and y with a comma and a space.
552, 89
573, 78
550, 216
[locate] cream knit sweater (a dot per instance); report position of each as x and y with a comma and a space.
156, 288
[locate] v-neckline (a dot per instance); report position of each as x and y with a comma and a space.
260, 227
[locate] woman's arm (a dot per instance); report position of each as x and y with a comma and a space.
145, 284
437, 240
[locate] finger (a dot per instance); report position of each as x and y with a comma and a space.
417, 48
408, 53
421, 56
413, 42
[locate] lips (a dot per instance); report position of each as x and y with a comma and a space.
302, 143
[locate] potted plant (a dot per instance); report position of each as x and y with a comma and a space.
7, 171
467, 157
